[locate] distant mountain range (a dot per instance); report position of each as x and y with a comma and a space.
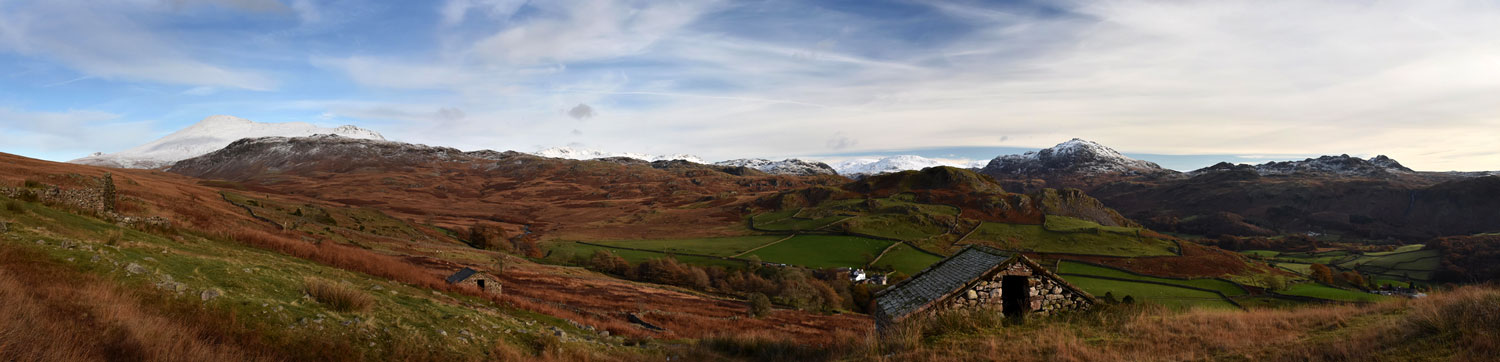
1343, 195
212, 134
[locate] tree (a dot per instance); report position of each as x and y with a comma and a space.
1322, 274
759, 305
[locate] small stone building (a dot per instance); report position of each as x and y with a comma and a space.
980, 277
473, 277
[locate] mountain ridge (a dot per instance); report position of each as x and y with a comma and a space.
208, 135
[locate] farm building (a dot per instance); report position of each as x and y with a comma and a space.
980, 277
484, 281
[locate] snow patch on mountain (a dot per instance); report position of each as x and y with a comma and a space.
790, 166
874, 166
211, 134
589, 154
1076, 156
1341, 165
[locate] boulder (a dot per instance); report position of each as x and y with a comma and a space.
134, 268
210, 294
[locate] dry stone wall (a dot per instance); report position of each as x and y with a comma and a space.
1047, 296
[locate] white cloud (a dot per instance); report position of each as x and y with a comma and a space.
1406, 79
64, 134
101, 39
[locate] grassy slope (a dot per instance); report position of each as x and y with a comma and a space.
1228, 288
265, 289
905, 259
1320, 291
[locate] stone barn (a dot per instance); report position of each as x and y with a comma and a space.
980, 277
473, 277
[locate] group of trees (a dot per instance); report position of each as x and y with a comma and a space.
488, 237
824, 290
1324, 274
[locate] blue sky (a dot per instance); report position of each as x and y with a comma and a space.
1184, 84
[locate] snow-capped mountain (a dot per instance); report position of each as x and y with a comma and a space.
589, 154
790, 166
874, 166
1341, 165
212, 134
1074, 157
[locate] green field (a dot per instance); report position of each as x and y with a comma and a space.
722, 246
1261, 253
1417, 265
905, 259
895, 217
1039, 239
1151, 293
787, 220
564, 252
1299, 268
1320, 291
1401, 249
823, 251
1326, 257
1226, 287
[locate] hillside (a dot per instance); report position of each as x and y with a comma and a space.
235, 251
547, 197
1343, 196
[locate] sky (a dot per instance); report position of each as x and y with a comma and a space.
1185, 84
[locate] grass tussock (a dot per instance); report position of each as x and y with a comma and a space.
338, 297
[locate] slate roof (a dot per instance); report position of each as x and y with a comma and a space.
460, 276
938, 280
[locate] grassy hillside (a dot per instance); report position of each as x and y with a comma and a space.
266, 292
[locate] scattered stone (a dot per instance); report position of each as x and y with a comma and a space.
41, 242
150, 259
134, 268
70, 260
443, 332
210, 294
95, 259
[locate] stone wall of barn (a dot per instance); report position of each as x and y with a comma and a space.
491, 285
1047, 296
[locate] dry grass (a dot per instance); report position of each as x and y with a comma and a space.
49, 313
338, 297
1463, 324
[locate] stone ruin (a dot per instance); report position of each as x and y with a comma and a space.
98, 196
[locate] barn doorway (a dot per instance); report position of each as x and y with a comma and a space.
1016, 295
481, 283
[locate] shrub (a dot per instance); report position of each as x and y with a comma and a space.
1322, 274
338, 297
31, 184
759, 305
